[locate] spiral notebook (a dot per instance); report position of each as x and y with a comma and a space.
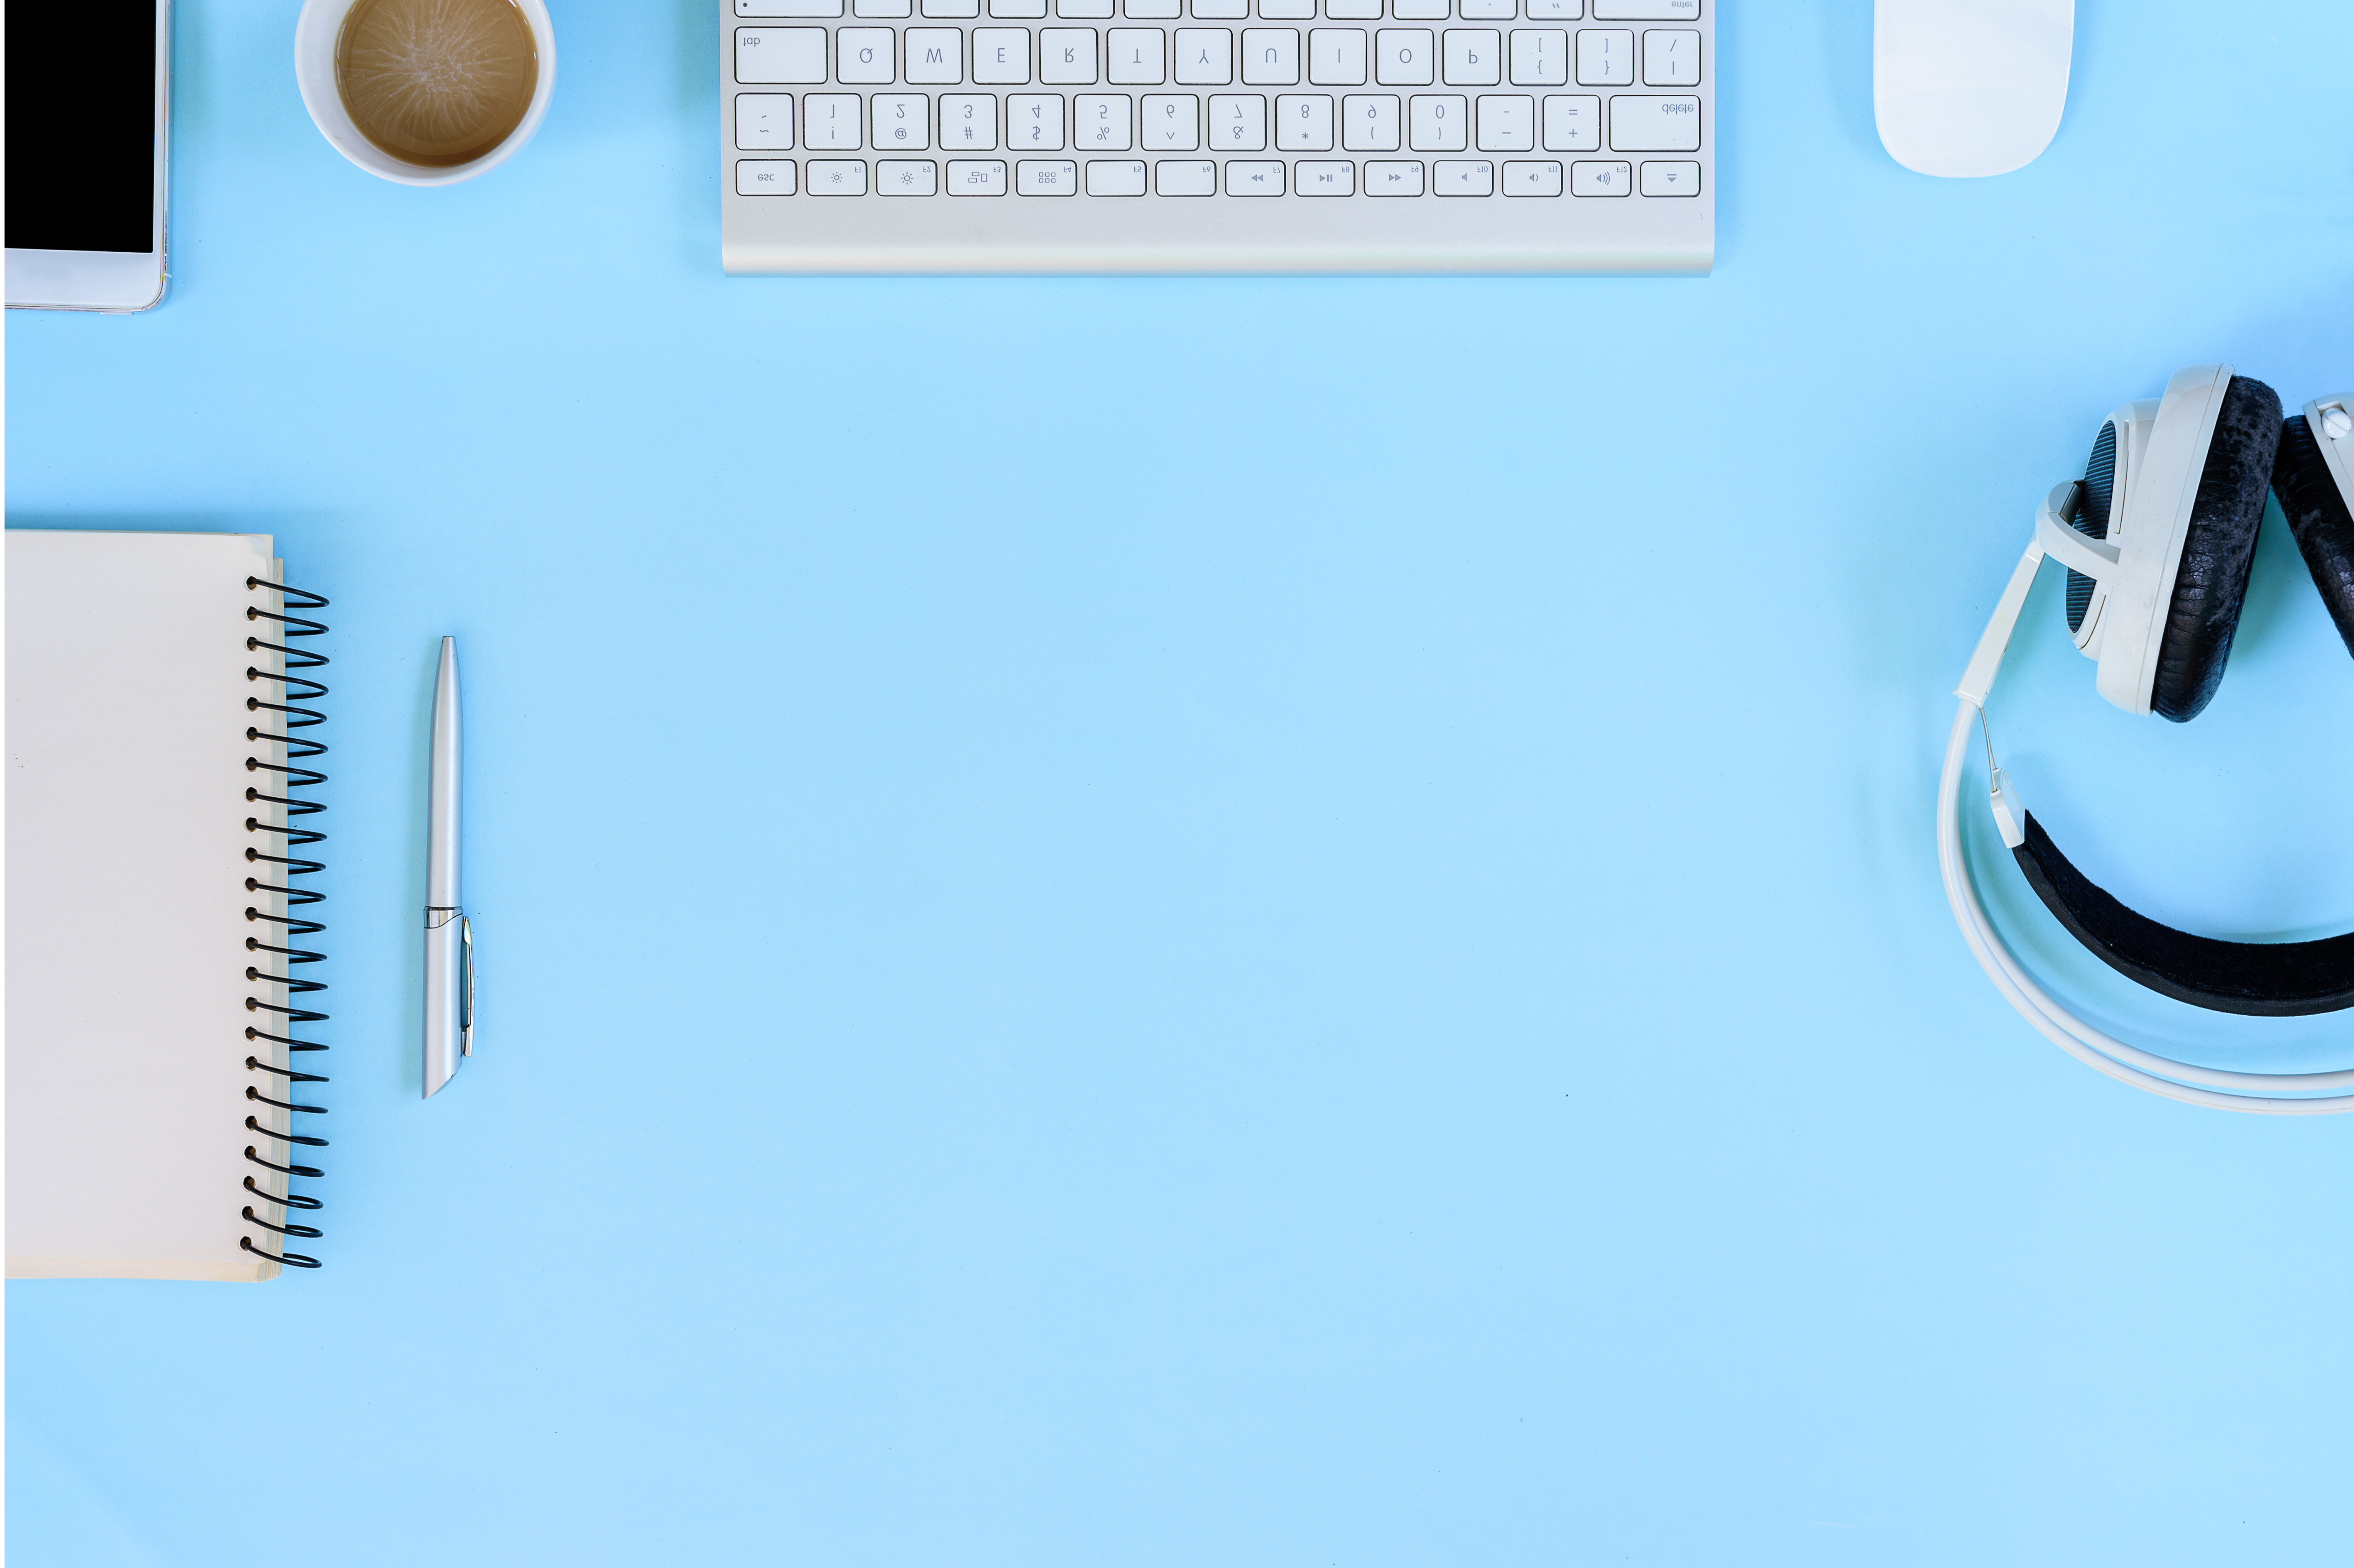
160, 873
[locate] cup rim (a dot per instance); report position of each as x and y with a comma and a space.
315, 32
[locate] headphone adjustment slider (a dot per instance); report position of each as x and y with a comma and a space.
2010, 813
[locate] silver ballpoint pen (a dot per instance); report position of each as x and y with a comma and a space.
449, 941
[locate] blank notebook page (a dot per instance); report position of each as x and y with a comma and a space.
126, 871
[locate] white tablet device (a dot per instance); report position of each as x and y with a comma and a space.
87, 175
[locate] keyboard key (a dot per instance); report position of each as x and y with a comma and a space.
1555, 10
1222, 10
1172, 122
976, 177
1325, 179
1001, 55
1605, 58
1110, 179
1473, 57
1303, 123
1287, 10
1046, 178
1419, 10
947, 10
1172, 178
1084, 10
1205, 55
1532, 179
1353, 10
781, 54
1402, 57
1383, 179
1466, 179
1652, 124
1540, 57
764, 120
1670, 179
967, 123
1136, 57
1671, 57
1572, 123
765, 176
1101, 123
1598, 179
789, 8
1369, 123
1249, 179
881, 8
1436, 123
837, 177
1156, 10
1336, 56
1017, 10
865, 55
1647, 10
1067, 55
829, 123
936, 55
901, 122
1033, 123
1270, 56
1487, 10
906, 177
1239, 122
1507, 123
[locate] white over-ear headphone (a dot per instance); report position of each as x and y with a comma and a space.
2157, 538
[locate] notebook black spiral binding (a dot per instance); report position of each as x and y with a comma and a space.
292, 689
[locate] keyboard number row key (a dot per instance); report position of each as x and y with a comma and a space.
1172, 122
1102, 122
1311, 177
829, 122
902, 123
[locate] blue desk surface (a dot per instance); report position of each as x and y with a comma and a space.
1242, 921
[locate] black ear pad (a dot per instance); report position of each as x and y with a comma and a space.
2266, 979
2317, 515
2217, 550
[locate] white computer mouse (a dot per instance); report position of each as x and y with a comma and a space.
1963, 88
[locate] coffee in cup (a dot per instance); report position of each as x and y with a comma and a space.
436, 82
425, 91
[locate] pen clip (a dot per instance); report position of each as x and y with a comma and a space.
465, 986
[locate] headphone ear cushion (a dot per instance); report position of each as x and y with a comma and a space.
2217, 550
2317, 515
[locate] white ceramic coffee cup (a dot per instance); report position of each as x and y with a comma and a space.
315, 32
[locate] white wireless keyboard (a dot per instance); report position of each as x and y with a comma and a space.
1217, 135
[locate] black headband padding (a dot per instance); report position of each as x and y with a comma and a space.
2318, 515
2266, 979
2217, 550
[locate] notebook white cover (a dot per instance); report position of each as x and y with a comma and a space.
126, 869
